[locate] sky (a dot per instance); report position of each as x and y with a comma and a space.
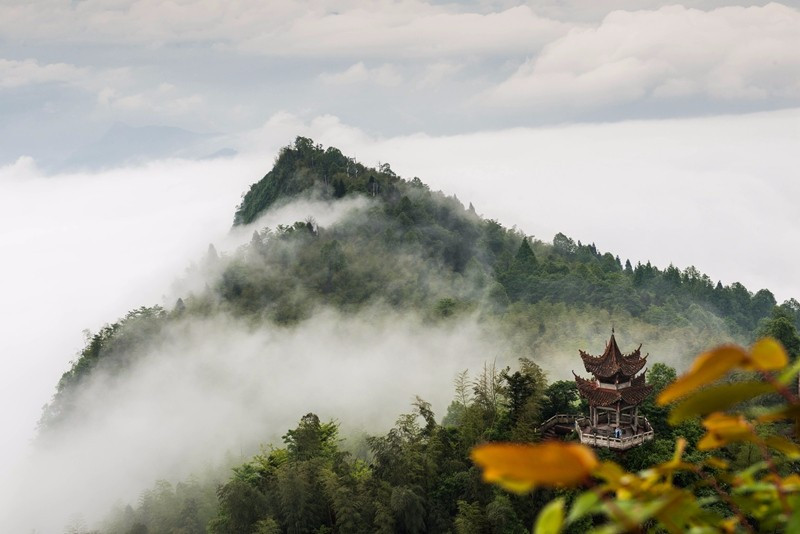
129, 130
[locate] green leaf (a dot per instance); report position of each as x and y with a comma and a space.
793, 524
753, 469
551, 518
717, 399
583, 504
790, 374
754, 487
608, 528
639, 511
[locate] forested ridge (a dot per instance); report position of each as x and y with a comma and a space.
529, 271
407, 248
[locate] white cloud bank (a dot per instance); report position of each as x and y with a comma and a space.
730, 53
320, 28
217, 386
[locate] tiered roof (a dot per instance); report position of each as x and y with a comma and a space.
616, 368
613, 366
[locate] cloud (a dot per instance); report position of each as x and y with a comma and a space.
581, 11
217, 386
435, 73
320, 28
116, 90
283, 127
163, 100
385, 75
75, 237
207, 66
726, 54
21, 73
28, 72
88, 247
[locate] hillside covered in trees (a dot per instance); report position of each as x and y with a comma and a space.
405, 248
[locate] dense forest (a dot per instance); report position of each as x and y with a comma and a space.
406, 248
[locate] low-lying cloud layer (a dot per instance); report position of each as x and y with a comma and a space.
215, 387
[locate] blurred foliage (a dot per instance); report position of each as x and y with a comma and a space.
715, 489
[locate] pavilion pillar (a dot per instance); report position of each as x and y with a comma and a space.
635, 419
618, 414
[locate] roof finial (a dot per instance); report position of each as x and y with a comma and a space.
612, 329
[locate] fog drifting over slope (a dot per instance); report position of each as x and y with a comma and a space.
83, 249
216, 386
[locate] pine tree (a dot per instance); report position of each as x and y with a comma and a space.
525, 259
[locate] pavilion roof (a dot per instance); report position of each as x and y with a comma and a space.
638, 380
600, 396
612, 363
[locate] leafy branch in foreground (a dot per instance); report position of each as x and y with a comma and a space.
701, 493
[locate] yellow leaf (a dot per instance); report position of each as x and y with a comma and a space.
730, 524
675, 464
791, 482
768, 355
717, 398
680, 447
610, 472
520, 467
784, 412
716, 463
722, 429
783, 445
706, 368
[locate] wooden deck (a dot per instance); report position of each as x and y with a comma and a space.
603, 434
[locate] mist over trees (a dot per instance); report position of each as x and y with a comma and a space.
415, 251
415, 478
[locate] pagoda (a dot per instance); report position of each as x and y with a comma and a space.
614, 395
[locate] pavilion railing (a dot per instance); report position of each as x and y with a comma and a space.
596, 437
557, 419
